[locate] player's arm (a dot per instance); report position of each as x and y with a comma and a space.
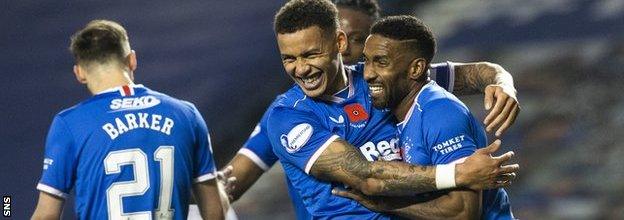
474, 78
251, 161
208, 199
206, 190
58, 174
239, 175
482, 77
445, 120
48, 207
497, 85
340, 162
454, 204
300, 138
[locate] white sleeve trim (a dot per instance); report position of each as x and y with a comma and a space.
48, 189
432, 71
434, 65
253, 157
205, 177
451, 80
318, 152
193, 213
460, 160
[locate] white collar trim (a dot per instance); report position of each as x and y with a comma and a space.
347, 76
415, 105
118, 88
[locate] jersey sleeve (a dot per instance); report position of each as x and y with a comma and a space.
204, 166
298, 137
59, 163
258, 147
448, 131
443, 74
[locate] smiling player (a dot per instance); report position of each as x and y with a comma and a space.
313, 126
436, 127
256, 156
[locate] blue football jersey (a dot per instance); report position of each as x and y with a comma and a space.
439, 129
258, 147
128, 152
301, 128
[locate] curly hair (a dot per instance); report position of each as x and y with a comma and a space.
300, 14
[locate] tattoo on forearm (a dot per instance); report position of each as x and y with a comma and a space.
347, 165
345, 161
443, 205
473, 78
428, 207
398, 178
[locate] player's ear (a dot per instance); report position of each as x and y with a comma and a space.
80, 74
417, 68
132, 60
341, 40
132, 63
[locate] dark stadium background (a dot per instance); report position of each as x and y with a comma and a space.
566, 57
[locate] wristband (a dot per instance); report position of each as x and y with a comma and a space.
445, 176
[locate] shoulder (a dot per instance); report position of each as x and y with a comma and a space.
290, 108
435, 98
82, 109
185, 109
68, 112
265, 115
445, 108
294, 99
441, 108
170, 101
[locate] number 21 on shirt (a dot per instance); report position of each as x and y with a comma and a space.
138, 160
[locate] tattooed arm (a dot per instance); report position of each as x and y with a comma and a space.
455, 204
498, 86
340, 162
473, 78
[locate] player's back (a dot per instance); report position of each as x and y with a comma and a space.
128, 151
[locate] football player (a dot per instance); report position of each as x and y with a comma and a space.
436, 128
128, 152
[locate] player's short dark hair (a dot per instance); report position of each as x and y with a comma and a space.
369, 7
297, 15
406, 27
100, 41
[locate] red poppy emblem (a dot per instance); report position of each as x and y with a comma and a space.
356, 112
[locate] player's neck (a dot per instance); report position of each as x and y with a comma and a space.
340, 83
101, 81
401, 110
